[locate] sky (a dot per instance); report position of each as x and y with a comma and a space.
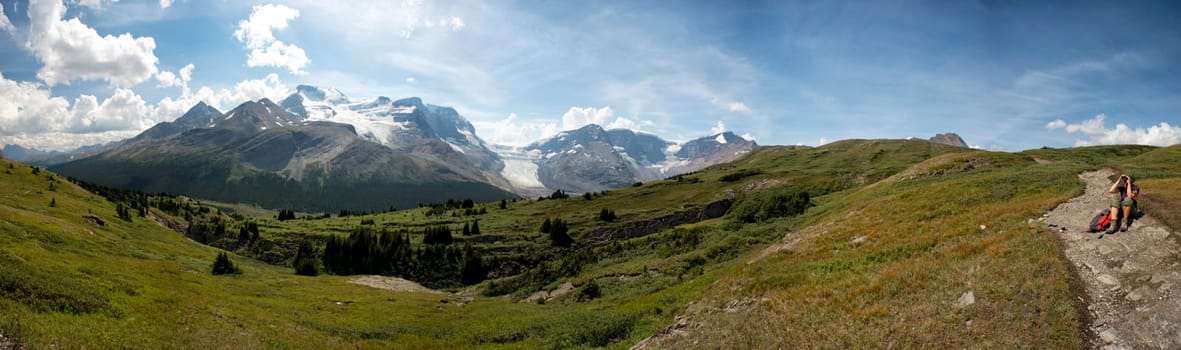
1004, 75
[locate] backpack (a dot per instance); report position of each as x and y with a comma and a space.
1100, 222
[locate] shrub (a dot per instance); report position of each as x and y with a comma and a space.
222, 265
589, 291
739, 175
771, 204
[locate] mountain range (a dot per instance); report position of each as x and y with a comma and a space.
319, 150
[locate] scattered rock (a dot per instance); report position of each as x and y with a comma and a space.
94, 219
1108, 280
1108, 335
1133, 296
967, 299
860, 239
982, 227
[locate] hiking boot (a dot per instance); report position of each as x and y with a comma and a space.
1114, 227
1126, 227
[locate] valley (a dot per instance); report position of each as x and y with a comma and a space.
888, 237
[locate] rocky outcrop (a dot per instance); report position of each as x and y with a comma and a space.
646, 227
950, 139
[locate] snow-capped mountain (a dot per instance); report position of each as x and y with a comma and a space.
406, 125
591, 159
261, 153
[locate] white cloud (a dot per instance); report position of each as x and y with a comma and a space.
410, 80
822, 142
737, 107
71, 50
170, 79
456, 24
5, 24
31, 116
167, 79
125, 110
257, 32
26, 108
1098, 134
165, 4
577, 117
512, 131
718, 129
93, 4
270, 87
750, 137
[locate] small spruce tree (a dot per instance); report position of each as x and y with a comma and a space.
476, 228
53, 202
305, 261
222, 265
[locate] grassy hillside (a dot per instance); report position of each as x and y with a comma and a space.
893, 240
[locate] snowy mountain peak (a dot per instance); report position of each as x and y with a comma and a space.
410, 101
313, 93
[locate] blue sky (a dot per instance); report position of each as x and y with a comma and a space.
1005, 75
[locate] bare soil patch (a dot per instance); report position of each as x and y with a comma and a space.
392, 283
1132, 280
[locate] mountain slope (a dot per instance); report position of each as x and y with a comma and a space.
260, 153
892, 245
409, 126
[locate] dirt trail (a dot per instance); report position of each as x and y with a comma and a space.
1132, 279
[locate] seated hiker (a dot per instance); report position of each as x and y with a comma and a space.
1128, 193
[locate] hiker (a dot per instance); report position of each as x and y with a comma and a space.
1128, 193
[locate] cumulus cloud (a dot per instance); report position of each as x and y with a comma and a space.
718, 129
70, 50
125, 110
515, 132
165, 4
31, 116
737, 107
577, 117
1097, 133
258, 33
270, 87
410, 80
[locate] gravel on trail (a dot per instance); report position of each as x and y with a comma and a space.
1132, 279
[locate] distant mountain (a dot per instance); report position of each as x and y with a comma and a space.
45, 158
950, 139
591, 159
318, 149
408, 125
262, 153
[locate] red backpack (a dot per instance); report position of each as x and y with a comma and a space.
1101, 221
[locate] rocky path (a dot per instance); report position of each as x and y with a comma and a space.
1132, 279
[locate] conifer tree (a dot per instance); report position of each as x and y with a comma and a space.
476, 228
222, 265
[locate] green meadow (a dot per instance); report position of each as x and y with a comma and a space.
894, 231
